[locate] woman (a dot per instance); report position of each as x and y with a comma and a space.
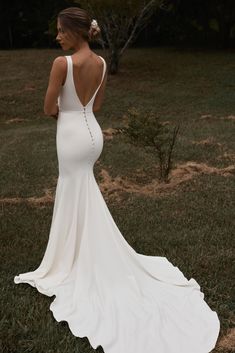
124, 301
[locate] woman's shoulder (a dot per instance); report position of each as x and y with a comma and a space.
100, 56
100, 60
59, 65
60, 62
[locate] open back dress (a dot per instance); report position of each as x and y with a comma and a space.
119, 299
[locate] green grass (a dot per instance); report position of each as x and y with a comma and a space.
192, 226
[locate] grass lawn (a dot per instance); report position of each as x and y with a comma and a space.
190, 221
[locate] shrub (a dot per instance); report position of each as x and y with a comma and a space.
145, 129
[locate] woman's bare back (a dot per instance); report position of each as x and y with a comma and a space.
87, 75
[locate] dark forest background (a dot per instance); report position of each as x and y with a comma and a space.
204, 23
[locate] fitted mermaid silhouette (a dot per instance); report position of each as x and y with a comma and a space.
124, 301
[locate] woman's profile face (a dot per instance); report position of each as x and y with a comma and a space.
63, 37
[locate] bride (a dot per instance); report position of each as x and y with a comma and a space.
119, 299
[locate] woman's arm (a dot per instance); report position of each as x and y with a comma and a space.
57, 75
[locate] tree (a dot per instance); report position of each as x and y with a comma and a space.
206, 18
224, 13
120, 21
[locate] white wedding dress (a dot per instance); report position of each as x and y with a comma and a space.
119, 299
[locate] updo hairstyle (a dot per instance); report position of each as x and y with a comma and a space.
78, 22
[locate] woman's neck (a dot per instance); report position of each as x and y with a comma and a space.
81, 46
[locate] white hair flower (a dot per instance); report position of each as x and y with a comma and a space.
94, 23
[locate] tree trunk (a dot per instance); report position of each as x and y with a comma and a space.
114, 62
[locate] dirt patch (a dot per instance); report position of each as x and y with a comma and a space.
186, 171
112, 187
227, 342
48, 197
230, 117
29, 87
109, 133
227, 155
206, 116
213, 117
115, 187
210, 141
15, 120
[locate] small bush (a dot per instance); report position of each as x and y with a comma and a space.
145, 130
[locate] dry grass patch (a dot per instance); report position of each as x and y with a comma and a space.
213, 117
210, 141
112, 187
189, 169
29, 87
109, 133
15, 120
227, 155
227, 342
48, 197
230, 117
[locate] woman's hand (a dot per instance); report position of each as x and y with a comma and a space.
55, 115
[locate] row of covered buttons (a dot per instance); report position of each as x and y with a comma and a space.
92, 138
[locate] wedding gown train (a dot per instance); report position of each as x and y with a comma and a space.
119, 299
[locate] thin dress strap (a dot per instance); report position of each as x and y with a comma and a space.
69, 69
104, 69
